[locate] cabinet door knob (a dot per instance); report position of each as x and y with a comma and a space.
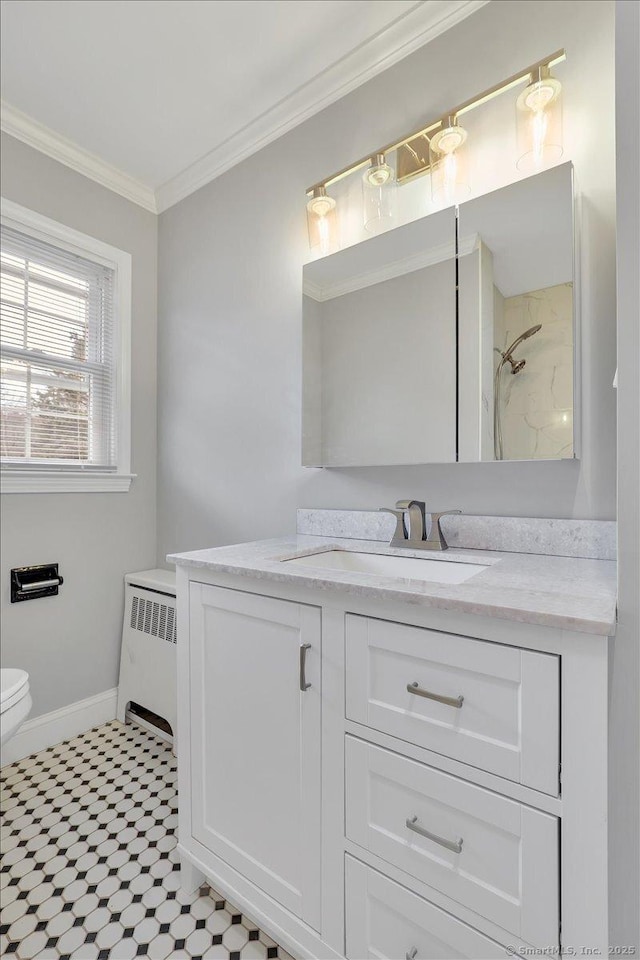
303, 666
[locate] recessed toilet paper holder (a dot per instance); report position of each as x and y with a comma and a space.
31, 583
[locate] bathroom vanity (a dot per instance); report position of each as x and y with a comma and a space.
384, 762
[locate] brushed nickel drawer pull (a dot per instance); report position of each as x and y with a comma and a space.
419, 692
455, 845
303, 666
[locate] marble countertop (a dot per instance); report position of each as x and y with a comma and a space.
563, 592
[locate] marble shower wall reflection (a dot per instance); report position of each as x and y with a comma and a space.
537, 402
517, 321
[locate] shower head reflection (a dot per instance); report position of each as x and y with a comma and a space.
516, 367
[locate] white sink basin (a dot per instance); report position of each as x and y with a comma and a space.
412, 568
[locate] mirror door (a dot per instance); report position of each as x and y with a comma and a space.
516, 321
379, 349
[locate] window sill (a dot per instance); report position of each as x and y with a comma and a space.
32, 481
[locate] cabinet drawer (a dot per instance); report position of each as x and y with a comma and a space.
495, 856
385, 920
507, 720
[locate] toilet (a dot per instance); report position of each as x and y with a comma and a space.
15, 702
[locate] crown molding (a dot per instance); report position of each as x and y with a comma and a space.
396, 41
399, 39
397, 268
314, 291
52, 144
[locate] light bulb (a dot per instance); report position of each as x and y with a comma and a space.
449, 181
539, 120
539, 127
450, 167
378, 195
321, 221
324, 231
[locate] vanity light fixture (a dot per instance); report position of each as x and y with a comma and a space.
447, 157
539, 121
438, 147
322, 221
378, 194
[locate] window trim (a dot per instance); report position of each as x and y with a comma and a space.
34, 478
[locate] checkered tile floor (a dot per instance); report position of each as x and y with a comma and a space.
89, 867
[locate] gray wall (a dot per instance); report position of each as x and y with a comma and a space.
230, 275
70, 644
624, 739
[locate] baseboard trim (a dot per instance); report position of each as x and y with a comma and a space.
52, 728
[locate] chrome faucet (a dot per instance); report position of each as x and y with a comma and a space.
417, 538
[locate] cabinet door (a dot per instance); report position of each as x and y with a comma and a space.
255, 740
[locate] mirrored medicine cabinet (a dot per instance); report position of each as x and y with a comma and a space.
450, 338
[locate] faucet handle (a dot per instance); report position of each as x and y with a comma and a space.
436, 534
417, 520
400, 533
405, 504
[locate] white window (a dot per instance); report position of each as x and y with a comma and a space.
64, 349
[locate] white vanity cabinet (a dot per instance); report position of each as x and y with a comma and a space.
367, 778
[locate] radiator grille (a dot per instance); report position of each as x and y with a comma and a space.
156, 619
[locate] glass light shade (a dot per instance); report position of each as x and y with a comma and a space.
449, 163
539, 122
379, 199
322, 222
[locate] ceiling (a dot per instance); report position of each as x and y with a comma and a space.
154, 98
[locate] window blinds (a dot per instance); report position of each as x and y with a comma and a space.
58, 373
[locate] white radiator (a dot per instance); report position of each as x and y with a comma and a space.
148, 657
